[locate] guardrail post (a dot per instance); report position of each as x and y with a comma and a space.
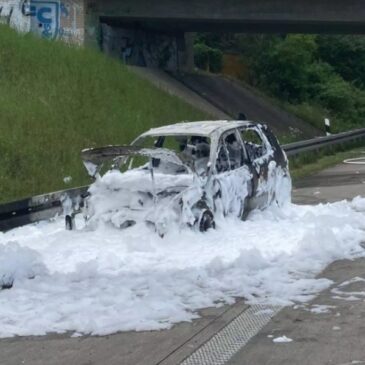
327, 124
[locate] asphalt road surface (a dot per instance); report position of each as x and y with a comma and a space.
336, 337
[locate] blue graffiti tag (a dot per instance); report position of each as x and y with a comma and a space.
45, 17
41, 15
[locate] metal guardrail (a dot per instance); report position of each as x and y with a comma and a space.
315, 144
46, 206
37, 208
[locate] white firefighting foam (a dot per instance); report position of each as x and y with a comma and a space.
103, 280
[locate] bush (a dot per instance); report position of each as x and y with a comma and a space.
215, 60
285, 68
346, 54
201, 57
207, 58
336, 94
292, 70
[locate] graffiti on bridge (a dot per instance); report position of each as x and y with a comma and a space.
50, 19
6, 12
45, 17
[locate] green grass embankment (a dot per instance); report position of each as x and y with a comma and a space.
56, 100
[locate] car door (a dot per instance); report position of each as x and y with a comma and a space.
232, 180
259, 155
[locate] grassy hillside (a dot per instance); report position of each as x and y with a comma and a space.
56, 100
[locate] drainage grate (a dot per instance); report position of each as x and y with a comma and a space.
223, 345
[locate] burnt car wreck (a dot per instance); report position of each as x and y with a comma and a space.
187, 174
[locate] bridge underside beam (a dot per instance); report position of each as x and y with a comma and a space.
308, 16
236, 26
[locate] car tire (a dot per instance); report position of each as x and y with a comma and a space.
206, 221
6, 286
69, 222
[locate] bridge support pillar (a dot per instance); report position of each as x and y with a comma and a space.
92, 26
187, 57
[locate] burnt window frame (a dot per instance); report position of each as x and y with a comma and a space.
266, 146
222, 144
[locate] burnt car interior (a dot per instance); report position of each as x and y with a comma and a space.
254, 144
193, 150
236, 148
233, 153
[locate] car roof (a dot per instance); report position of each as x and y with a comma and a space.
204, 128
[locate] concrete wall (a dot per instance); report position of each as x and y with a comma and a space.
141, 48
148, 48
50, 19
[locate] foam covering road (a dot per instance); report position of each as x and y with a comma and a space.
327, 330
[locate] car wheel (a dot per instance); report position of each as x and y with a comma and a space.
69, 222
7, 285
206, 221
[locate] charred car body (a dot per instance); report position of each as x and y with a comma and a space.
186, 174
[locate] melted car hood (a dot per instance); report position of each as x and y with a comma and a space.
139, 180
94, 158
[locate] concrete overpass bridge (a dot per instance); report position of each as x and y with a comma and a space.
308, 16
161, 25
